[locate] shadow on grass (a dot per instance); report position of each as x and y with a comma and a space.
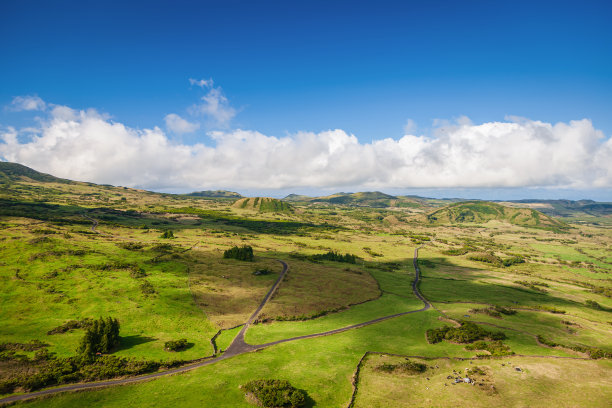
128, 342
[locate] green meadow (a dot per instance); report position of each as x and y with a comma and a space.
72, 252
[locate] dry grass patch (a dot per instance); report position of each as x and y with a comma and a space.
311, 289
226, 289
507, 382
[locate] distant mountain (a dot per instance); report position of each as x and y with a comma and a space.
263, 204
363, 199
567, 208
297, 197
10, 172
215, 194
480, 212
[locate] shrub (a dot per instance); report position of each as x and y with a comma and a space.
146, 288
496, 348
276, 393
70, 325
593, 305
468, 332
167, 234
175, 345
243, 253
488, 258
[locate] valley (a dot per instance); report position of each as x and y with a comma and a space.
493, 285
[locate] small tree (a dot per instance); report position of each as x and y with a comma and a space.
168, 234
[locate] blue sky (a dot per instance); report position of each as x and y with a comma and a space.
281, 68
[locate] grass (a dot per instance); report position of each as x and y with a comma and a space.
54, 269
540, 383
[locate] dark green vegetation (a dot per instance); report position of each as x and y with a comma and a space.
176, 345
101, 336
335, 257
74, 250
405, 367
467, 332
276, 393
243, 253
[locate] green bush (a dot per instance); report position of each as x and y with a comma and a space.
243, 253
468, 332
276, 393
167, 234
175, 345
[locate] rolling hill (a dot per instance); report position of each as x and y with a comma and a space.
263, 204
374, 199
480, 212
215, 194
11, 172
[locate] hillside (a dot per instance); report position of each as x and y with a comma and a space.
479, 212
263, 204
567, 208
11, 172
215, 194
374, 199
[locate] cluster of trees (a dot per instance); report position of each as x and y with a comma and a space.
243, 253
276, 393
335, 256
46, 369
101, 336
468, 332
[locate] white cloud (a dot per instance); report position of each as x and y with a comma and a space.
27, 103
214, 106
178, 125
202, 83
410, 126
88, 146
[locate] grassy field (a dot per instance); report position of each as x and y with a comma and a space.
55, 269
539, 383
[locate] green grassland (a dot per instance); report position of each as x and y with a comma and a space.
540, 383
71, 251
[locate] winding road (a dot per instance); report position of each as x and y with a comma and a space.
237, 347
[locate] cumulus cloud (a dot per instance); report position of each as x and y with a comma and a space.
178, 125
28, 103
214, 106
85, 145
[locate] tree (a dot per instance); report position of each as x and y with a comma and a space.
100, 337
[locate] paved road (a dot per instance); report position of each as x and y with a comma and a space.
238, 346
